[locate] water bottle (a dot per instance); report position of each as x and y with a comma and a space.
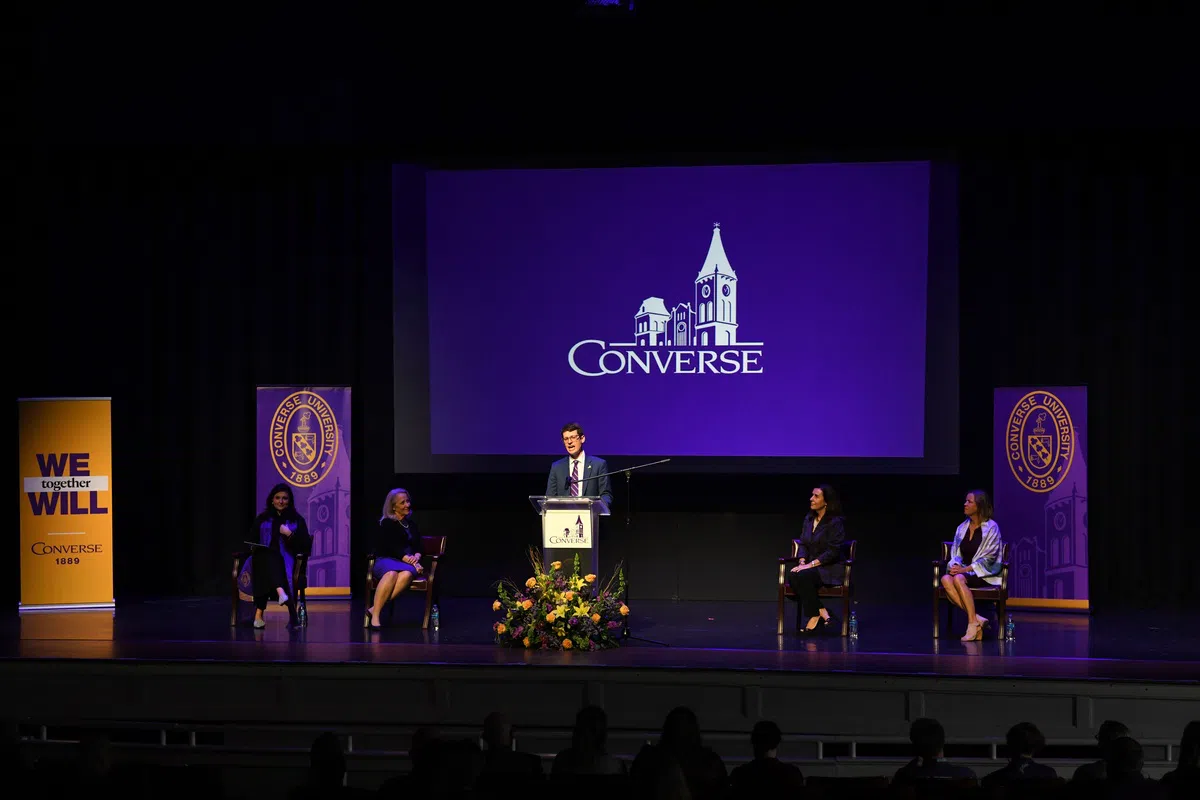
302, 613
854, 625
433, 617
1010, 629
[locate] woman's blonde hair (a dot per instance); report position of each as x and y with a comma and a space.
390, 502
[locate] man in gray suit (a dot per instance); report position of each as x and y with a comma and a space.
575, 475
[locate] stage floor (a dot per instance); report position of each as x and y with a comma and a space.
681, 635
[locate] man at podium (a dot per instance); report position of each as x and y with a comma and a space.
573, 476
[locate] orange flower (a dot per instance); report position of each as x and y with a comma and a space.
532, 582
567, 644
595, 617
624, 610
569, 596
496, 606
500, 627
526, 604
550, 617
589, 578
525, 641
555, 565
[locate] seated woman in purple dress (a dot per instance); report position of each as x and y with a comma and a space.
283, 535
397, 549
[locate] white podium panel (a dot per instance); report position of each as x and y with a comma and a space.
570, 527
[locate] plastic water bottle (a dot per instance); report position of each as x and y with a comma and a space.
434, 617
1010, 629
302, 613
854, 625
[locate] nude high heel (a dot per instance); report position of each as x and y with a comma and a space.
974, 632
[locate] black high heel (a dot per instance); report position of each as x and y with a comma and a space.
830, 626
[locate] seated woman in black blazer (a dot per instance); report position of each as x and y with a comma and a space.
397, 549
820, 552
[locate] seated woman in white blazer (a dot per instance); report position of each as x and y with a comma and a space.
974, 560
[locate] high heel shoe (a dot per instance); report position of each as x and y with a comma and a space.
830, 626
974, 632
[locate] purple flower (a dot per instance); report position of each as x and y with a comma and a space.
614, 624
574, 621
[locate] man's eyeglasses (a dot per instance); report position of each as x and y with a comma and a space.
572, 438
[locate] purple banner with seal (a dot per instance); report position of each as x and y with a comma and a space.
1040, 493
303, 440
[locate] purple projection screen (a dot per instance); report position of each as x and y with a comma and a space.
736, 312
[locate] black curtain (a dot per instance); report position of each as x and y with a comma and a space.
177, 281
1074, 254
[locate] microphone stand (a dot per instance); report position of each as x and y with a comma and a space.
625, 634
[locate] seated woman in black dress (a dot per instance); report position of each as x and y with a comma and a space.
974, 560
397, 549
820, 552
284, 535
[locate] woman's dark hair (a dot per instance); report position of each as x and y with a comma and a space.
1189, 746
269, 509
681, 731
833, 503
591, 732
983, 502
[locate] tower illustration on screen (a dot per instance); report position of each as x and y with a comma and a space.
710, 320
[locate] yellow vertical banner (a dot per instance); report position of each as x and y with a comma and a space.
66, 502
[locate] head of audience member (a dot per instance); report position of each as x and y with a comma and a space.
590, 736
681, 731
458, 764
1189, 746
978, 503
1110, 731
497, 732
327, 761
422, 751
765, 739
928, 738
1123, 759
1024, 740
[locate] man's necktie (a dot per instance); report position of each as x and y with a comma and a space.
575, 478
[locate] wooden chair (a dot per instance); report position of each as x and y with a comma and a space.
432, 549
299, 584
845, 591
993, 594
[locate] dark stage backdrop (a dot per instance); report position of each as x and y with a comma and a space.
179, 282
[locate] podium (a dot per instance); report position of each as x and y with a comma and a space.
570, 526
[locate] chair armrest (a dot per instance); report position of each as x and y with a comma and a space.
849, 562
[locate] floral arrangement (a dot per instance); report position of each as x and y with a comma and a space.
557, 610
